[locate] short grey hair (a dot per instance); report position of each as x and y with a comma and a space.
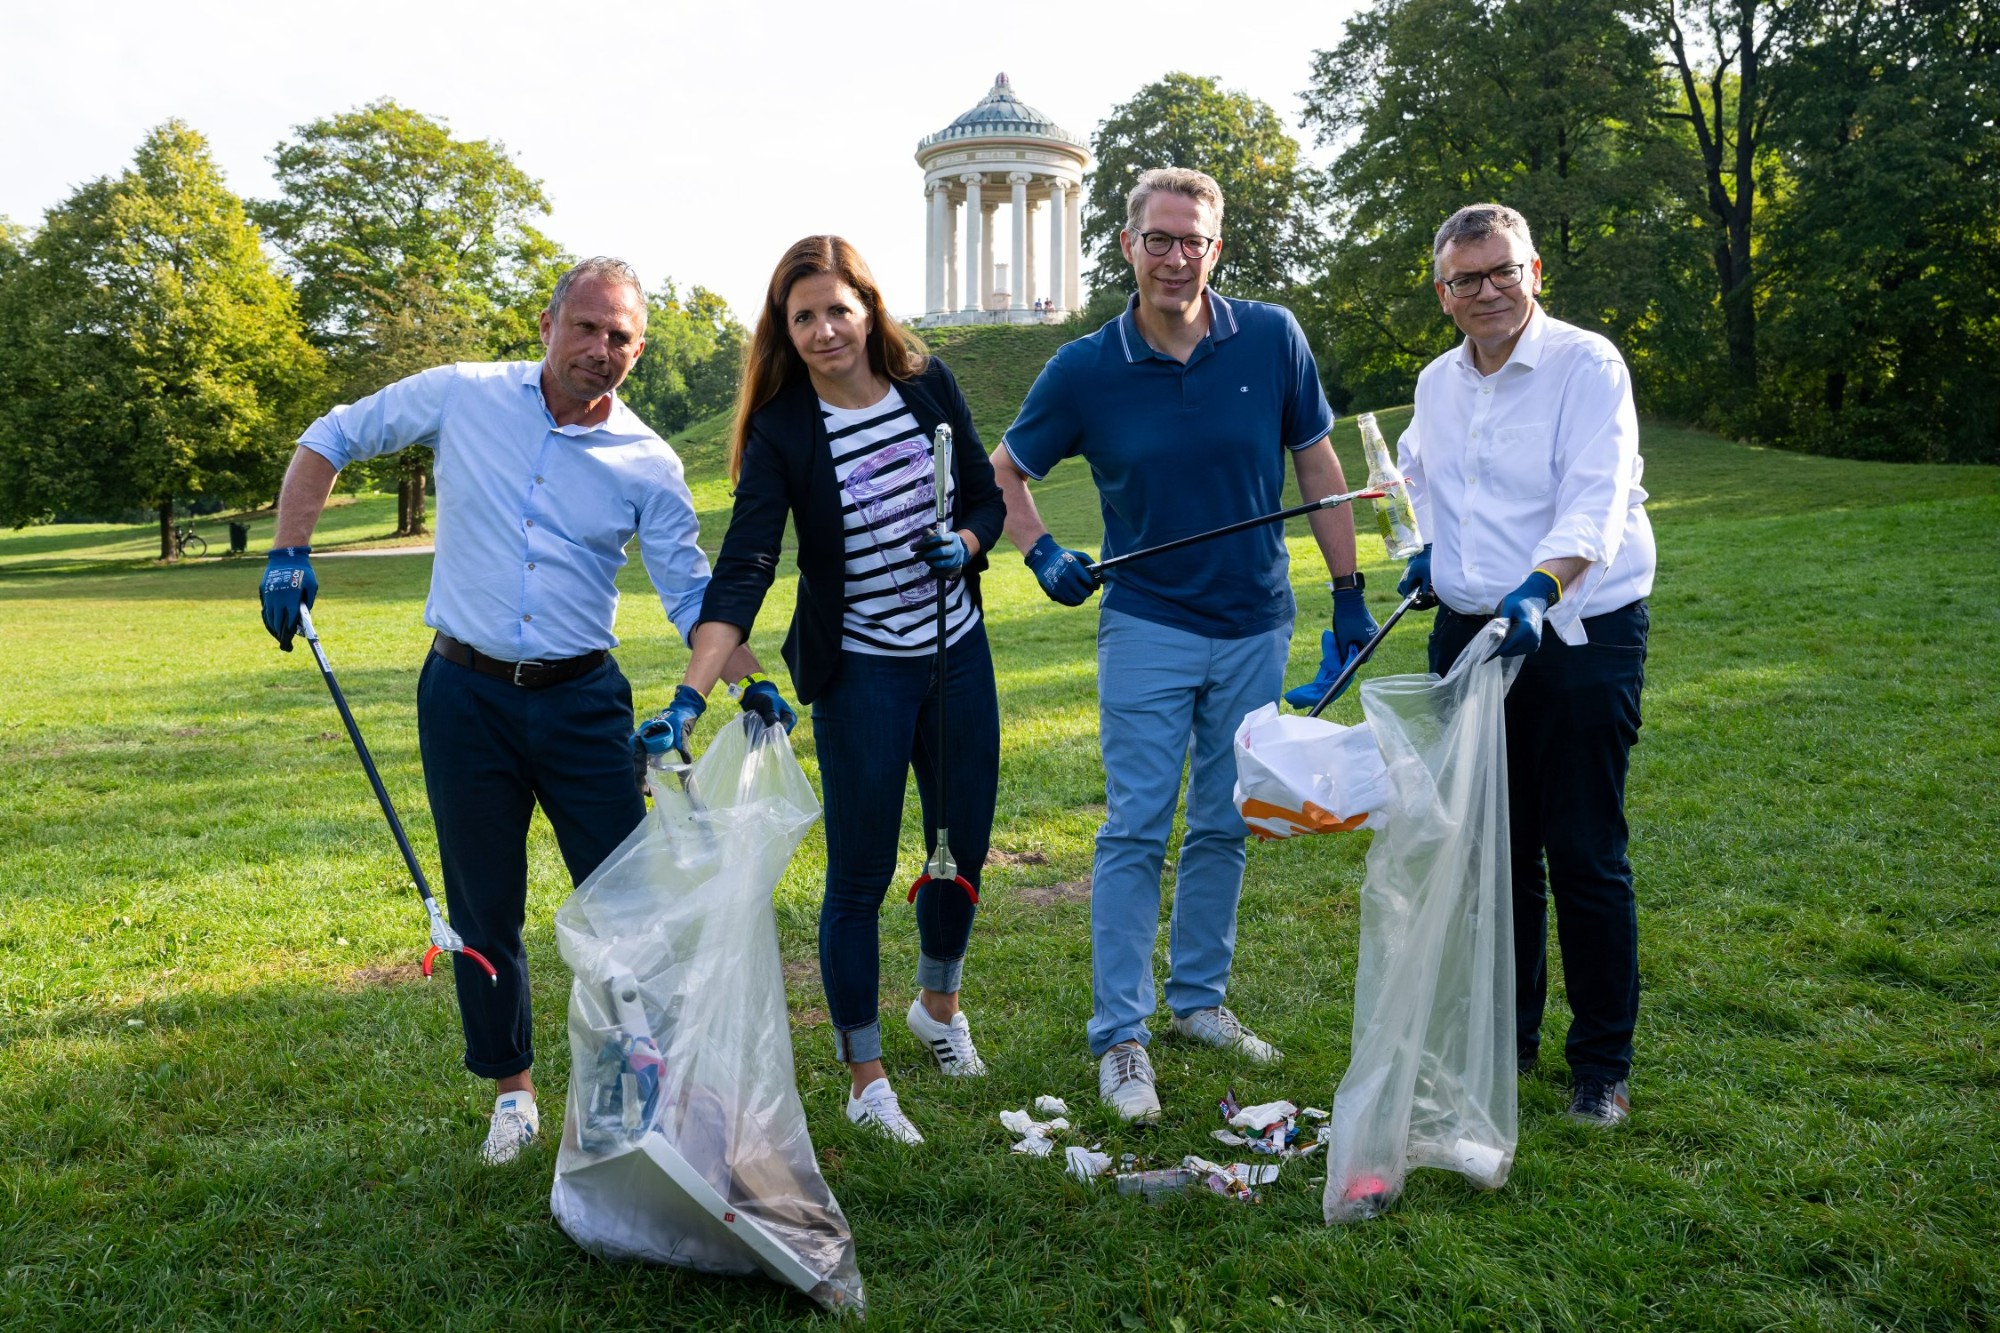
603, 268
1196, 185
1475, 222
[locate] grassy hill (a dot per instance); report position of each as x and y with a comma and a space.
228, 1101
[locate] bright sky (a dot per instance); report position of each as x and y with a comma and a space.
696, 141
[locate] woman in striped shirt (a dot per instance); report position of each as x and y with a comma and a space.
834, 430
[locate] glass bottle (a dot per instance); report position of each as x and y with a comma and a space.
1395, 515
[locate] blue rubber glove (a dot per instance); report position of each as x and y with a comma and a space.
1417, 578
669, 728
944, 552
1523, 610
1352, 628
289, 583
762, 698
1064, 574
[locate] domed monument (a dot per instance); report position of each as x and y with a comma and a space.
1002, 144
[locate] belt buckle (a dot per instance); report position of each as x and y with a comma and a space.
519, 667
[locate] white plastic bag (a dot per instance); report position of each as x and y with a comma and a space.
1430, 1079
684, 1141
1299, 775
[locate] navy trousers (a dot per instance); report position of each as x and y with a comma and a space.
876, 721
1572, 719
492, 751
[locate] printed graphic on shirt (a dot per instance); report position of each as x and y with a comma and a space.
883, 463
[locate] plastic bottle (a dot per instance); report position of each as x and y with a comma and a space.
1395, 515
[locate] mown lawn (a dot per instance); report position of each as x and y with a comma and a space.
227, 1101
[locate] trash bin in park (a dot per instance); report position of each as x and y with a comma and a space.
239, 538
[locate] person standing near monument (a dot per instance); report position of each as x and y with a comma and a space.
543, 479
1523, 456
1185, 407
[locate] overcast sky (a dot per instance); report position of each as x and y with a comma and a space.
696, 141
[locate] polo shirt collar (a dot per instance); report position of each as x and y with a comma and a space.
1221, 324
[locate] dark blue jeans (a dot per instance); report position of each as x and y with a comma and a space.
492, 751
1572, 719
875, 722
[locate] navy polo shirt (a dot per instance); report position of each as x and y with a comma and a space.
1179, 449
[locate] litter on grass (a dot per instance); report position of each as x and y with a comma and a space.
1037, 1136
1048, 1105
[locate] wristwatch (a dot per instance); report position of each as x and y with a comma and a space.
1342, 582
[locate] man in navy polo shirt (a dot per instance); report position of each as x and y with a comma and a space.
1185, 407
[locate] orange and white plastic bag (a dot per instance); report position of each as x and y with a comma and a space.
1297, 775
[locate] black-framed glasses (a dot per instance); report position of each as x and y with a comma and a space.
1505, 278
1194, 245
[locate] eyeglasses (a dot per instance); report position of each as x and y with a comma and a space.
1193, 245
1505, 278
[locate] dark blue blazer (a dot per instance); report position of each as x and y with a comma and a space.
788, 471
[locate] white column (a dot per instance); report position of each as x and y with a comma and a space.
933, 252
986, 212
950, 243
1018, 299
975, 243
1073, 267
1058, 193
1030, 288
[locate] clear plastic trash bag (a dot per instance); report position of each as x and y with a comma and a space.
1297, 775
684, 1141
1430, 1079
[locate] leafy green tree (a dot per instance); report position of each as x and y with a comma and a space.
1882, 320
1270, 228
693, 358
153, 352
383, 198
1551, 106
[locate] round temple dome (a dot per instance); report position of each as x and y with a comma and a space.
1000, 115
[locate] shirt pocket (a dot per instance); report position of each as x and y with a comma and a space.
1518, 462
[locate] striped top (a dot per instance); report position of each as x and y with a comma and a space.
888, 500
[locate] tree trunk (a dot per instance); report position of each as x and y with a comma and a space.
417, 505
402, 506
167, 551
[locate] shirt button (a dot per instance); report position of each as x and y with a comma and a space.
531, 564
531, 522
527, 617
538, 481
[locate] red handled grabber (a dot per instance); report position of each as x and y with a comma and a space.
941, 866
443, 938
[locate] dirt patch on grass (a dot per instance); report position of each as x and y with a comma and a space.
799, 971
185, 732
386, 974
1048, 895
1000, 856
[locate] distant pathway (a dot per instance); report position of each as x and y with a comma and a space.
386, 550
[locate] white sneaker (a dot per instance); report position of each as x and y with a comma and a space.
950, 1042
1220, 1028
878, 1108
516, 1124
1125, 1082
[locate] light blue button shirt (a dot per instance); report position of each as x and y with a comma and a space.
533, 518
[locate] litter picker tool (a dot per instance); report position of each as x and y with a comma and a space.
1096, 571
1366, 651
941, 866
443, 938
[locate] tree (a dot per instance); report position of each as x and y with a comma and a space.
1882, 321
1270, 229
1551, 106
693, 358
380, 198
154, 353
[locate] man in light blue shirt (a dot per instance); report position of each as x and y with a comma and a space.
543, 478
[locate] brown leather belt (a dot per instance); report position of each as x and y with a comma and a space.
528, 675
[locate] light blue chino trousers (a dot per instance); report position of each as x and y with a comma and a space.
1169, 703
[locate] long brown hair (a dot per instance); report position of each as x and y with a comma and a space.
772, 362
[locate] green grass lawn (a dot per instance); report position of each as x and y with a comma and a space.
227, 1100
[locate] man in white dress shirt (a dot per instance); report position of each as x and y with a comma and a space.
1524, 458
543, 478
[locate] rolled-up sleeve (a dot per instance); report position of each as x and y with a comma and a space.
410, 411
1597, 459
1410, 462
668, 541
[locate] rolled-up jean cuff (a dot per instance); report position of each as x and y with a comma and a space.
937, 975
863, 1043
